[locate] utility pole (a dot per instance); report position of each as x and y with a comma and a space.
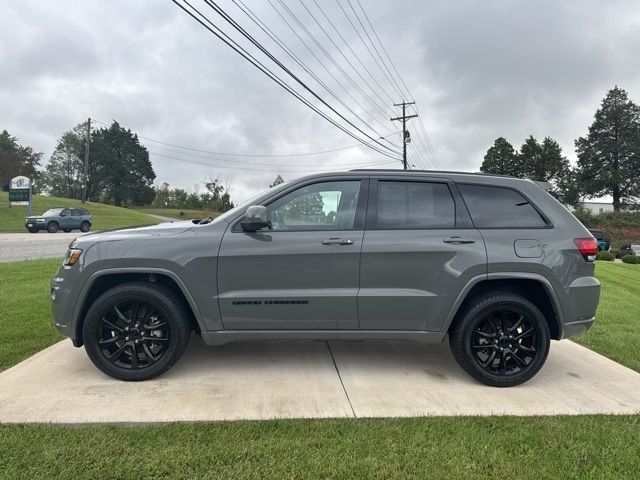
86, 161
405, 137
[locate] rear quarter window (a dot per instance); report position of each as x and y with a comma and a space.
499, 207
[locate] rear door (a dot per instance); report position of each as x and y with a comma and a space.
418, 253
303, 273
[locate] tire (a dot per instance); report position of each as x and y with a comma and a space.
33, 230
104, 324
495, 317
52, 227
85, 226
66, 230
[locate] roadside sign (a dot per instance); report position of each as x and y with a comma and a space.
20, 191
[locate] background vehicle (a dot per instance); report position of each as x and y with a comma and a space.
65, 219
604, 242
494, 263
628, 250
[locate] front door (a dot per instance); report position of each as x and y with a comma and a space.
303, 273
419, 251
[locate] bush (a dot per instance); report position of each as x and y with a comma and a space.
634, 259
605, 256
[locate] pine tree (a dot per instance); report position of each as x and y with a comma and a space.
501, 159
609, 156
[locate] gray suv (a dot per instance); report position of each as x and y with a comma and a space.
65, 219
493, 263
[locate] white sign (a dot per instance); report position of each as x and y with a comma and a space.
20, 182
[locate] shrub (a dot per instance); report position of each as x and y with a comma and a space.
634, 259
606, 256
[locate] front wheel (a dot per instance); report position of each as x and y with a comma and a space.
136, 331
52, 227
501, 339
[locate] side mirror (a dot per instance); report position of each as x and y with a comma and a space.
255, 219
63, 214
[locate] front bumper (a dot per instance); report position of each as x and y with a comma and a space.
39, 226
62, 303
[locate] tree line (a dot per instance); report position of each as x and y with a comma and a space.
608, 157
119, 171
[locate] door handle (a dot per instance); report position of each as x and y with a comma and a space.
337, 241
458, 240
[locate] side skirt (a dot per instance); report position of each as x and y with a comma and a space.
225, 336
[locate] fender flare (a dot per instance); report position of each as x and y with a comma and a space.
555, 301
77, 309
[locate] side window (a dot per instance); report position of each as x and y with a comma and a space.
75, 212
65, 212
414, 205
497, 207
320, 206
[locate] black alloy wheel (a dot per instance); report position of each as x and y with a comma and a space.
504, 341
52, 227
500, 339
134, 334
85, 226
136, 331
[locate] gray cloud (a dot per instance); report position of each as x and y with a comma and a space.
478, 70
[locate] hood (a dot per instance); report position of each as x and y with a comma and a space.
160, 230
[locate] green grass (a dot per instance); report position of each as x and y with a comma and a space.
458, 447
180, 213
447, 448
616, 331
105, 217
25, 315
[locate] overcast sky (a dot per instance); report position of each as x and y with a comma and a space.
477, 69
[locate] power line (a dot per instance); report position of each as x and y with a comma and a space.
274, 169
243, 32
322, 64
249, 155
212, 28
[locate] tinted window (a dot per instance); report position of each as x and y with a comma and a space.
496, 207
415, 205
321, 206
84, 211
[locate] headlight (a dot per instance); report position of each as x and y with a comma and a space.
41, 220
72, 256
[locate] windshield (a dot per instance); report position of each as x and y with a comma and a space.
247, 203
54, 212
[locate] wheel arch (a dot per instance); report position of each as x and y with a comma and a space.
103, 280
533, 287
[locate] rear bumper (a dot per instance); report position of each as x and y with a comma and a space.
580, 304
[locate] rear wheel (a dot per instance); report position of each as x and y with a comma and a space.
52, 227
85, 226
501, 339
136, 331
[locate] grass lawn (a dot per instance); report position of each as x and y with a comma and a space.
25, 316
448, 448
179, 213
437, 447
105, 217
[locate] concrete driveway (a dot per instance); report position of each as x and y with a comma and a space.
28, 246
251, 380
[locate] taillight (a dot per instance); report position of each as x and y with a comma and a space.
588, 247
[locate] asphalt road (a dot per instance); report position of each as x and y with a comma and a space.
262, 380
27, 246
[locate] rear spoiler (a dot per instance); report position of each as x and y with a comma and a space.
546, 186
